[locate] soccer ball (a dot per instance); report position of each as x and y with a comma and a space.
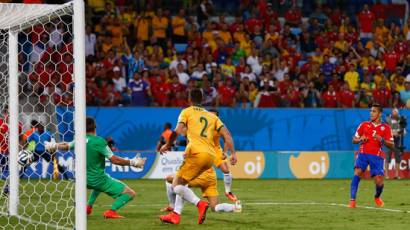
25, 157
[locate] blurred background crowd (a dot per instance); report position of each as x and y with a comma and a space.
241, 53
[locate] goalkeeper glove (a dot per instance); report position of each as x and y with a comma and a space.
138, 161
50, 146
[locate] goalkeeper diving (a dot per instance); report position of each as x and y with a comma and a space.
97, 179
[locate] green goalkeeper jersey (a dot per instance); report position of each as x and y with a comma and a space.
97, 151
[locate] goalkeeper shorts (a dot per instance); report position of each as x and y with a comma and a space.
112, 187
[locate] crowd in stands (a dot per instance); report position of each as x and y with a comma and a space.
261, 54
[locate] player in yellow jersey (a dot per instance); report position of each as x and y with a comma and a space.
207, 182
221, 163
199, 154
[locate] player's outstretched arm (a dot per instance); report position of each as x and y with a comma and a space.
229, 145
137, 161
62, 146
181, 128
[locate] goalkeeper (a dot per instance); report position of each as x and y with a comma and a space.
97, 179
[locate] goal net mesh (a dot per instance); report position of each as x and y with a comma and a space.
46, 86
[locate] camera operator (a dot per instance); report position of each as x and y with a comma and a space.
398, 125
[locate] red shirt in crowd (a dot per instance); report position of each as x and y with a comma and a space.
227, 94
382, 96
293, 15
373, 146
294, 98
346, 98
268, 99
391, 59
330, 99
366, 20
160, 92
251, 23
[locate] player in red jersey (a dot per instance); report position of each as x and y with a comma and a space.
371, 135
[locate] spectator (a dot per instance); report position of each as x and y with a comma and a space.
182, 75
178, 28
119, 82
382, 95
405, 93
366, 20
160, 26
311, 96
352, 78
346, 96
90, 41
293, 17
141, 92
330, 98
227, 93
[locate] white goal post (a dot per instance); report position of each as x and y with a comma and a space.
17, 19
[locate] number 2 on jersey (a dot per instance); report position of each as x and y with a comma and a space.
205, 121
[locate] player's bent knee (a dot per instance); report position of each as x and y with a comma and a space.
169, 178
130, 192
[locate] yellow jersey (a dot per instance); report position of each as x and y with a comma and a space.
201, 126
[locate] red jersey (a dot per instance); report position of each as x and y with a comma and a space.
382, 96
372, 146
366, 19
227, 95
346, 98
4, 139
391, 60
330, 99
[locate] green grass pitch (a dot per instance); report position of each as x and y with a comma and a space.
268, 204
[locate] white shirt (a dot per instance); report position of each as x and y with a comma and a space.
280, 73
174, 64
119, 84
90, 41
198, 75
56, 37
254, 63
183, 78
251, 76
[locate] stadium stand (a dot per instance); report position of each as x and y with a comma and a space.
242, 53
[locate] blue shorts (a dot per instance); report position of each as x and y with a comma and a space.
376, 164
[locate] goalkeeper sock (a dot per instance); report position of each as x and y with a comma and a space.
379, 190
228, 182
121, 201
170, 194
186, 194
179, 204
93, 196
224, 207
354, 186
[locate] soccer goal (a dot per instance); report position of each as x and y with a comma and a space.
42, 94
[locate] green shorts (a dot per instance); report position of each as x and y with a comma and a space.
111, 187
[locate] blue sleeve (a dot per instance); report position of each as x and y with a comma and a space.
30, 138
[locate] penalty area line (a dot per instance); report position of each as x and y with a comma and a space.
325, 204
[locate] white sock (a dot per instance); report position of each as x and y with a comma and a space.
187, 194
224, 207
179, 204
228, 182
170, 194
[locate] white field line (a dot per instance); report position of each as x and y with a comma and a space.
37, 222
282, 204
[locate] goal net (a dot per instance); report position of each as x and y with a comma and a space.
42, 93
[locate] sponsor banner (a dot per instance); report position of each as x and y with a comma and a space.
165, 164
251, 165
